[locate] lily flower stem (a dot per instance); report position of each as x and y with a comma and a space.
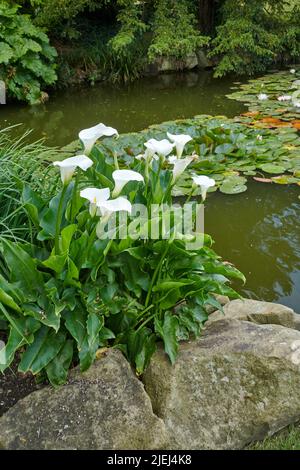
155, 274
146, 321
116, 161
190, 195
73, 205
59, 218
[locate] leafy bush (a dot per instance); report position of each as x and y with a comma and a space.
26, 58
255, 34
175, 31
70, 290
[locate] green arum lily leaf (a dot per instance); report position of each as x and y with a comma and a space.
8, 301
33, 204
223, 268
141, 345
42, 350
57, 369
23, 268
167, 330
21, 333
167, 285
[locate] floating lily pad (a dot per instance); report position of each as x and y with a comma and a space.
233, 185
272, 168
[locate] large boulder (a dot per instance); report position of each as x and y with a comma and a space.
103, 408
238, 383
257, 312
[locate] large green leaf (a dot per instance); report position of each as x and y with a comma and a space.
45, 347
167, 330
57, 369
48, 222
17, 338
22, 267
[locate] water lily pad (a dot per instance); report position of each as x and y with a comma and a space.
272, 168
233, 185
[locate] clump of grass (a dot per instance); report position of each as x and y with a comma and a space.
22, 162
288, 439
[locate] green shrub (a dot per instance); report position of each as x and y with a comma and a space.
175, 30
26, 58
70, 290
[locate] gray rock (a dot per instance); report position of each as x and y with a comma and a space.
103, 408
256, 312
203, 62
238, 383
172, 64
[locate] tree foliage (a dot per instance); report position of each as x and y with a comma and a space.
26, 58
240, 36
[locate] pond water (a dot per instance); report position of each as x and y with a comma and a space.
127, 108
257, 230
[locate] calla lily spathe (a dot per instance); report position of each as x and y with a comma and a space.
69, 165
160, 147
122, 177
114, 205
96, 197
180, 141
180, 165
293, 71
205, 183
89, 136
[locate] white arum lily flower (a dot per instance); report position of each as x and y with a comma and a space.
205, 183
293, 71
284, 98
180, 165
180, 141
296, 104
160, 147
95, 196
148, 156
69, 165
89, 136
262, 96
114, 205
122, 177
259, 137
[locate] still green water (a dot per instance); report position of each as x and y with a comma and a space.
257, 230
127, 108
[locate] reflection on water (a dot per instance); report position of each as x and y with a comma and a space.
259, 232
127, 108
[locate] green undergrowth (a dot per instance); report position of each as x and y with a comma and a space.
288, 439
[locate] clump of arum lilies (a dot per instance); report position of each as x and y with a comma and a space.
112, 261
